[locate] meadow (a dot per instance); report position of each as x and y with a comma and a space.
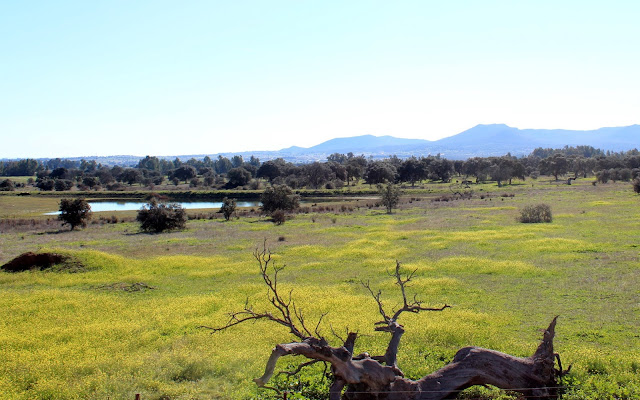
129, 322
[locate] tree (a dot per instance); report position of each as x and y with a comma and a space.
317, 174
366, 377
46, 184
74, 212
237, 161
62, 184
411, 170
130, 176
636, 185
279, 197
389, 196
238, 177
150, 163
159, 217
184, 173
440, 169
223, 165
269, 169
60, 173
380, 172
337, 158
90, 181
228, 208
555, 165
356, 167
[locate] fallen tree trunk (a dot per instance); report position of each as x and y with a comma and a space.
365, 377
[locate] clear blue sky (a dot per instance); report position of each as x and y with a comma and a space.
88, 78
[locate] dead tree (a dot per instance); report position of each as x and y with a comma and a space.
366, 377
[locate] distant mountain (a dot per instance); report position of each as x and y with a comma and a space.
498, 139
479, 141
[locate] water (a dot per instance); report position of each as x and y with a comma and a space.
103, 206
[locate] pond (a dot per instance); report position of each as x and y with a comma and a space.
134, 205
102, 206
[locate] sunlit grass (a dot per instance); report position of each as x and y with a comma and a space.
84, 335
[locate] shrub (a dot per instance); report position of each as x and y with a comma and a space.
228, 207
45, 184
535, 213
115, 186
7, 186
62, 185
74, 212
278, 217
636, 185
279, 197
159, 217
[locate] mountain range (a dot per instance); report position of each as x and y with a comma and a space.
479, 141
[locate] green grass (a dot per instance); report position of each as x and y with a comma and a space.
79, 336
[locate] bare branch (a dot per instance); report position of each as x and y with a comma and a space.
376, 297
336, 334
317, 329
283, 306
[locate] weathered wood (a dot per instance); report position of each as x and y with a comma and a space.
365, 377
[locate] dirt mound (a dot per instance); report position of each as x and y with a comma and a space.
28, 261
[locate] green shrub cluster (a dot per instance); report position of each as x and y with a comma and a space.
159, 217
535, 213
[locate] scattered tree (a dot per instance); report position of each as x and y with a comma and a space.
74, 212
279, 197
159, 216
228, 208
389, 196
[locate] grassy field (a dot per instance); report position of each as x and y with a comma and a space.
129, 323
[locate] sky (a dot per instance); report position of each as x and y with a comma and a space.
98, 78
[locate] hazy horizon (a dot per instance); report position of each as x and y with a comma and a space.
207, 77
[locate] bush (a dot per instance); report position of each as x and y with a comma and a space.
159, 217
45, 184
279, 197
7, 186
228, 207
115, 186
278, 217
62, 185
535, 213
636, 185
74, 212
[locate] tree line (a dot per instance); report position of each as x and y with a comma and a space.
337, 171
